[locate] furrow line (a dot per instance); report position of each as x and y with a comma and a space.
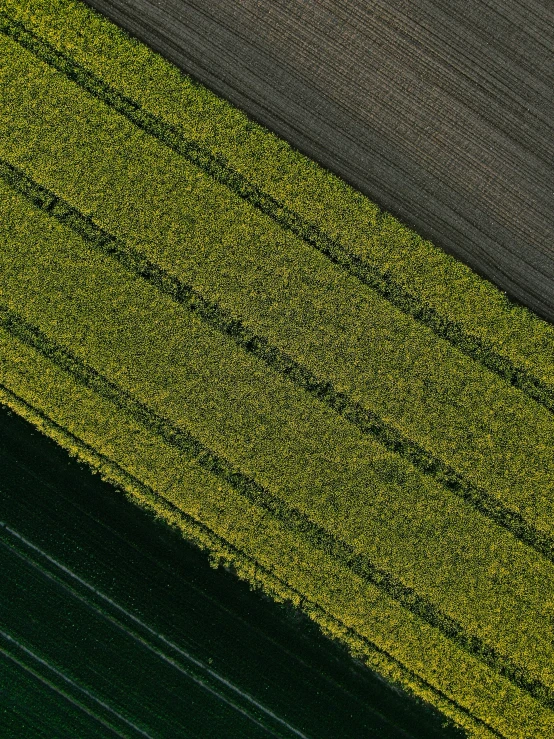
63, 693
215, 165
155, 501
368, 422
292, 518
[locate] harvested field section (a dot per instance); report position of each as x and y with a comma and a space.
241, 371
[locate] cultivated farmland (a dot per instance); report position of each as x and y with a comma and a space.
241, 342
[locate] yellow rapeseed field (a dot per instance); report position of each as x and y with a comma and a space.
243, 343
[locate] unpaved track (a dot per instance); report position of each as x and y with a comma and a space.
442, 111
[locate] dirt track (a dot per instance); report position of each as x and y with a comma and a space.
442, 112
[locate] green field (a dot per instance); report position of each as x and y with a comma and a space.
240, 341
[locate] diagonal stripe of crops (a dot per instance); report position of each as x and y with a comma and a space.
241, 342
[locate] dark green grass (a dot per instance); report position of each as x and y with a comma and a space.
31, 705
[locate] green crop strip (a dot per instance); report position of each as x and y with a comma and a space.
216, 166
366, 421
222, 545
292, 518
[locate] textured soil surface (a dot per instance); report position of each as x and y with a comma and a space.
442, 112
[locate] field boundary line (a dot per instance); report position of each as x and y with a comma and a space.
366, 421
109, 709
206, 538
290, 517
216, 166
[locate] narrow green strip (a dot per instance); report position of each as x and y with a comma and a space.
292, 518
216, 166
212, 314
221, 544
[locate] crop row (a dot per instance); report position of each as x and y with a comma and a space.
211, 313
